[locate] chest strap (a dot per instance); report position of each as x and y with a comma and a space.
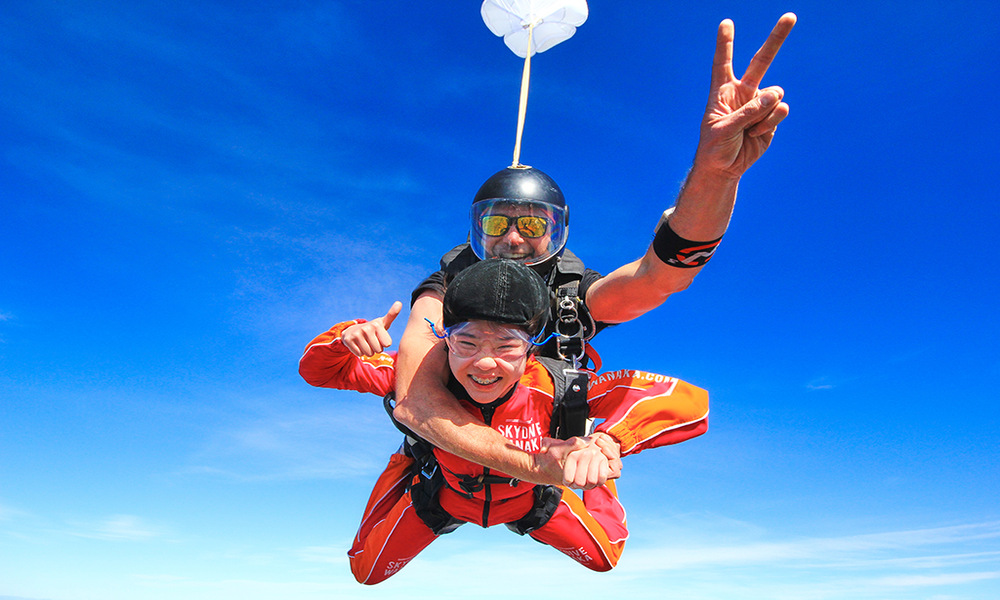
569, 398
470, 485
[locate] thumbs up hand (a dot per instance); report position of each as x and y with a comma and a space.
372, 337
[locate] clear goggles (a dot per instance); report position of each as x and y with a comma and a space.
541, 227
506, 343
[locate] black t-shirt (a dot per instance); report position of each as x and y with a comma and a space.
438, 282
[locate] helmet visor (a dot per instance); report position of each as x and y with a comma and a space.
527, 231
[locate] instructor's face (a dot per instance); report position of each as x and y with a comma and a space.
514, 244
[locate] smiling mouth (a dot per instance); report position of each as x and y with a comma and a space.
484, 381
516, 255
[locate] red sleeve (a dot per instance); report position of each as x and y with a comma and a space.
644, 410
328, 363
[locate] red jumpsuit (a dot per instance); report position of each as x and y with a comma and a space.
640, 410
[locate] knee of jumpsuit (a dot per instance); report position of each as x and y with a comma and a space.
591, 531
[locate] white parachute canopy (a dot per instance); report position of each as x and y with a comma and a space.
528, 27
534, 25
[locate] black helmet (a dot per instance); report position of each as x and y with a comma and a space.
498, 290
519, 191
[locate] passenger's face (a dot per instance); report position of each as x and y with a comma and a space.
487, 358
513, 244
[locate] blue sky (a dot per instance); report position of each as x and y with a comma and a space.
188, 194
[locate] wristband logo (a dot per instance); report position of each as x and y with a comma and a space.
695, 256
678, 252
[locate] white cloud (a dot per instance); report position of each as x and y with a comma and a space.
347, 436
8, 513
935, 580
335, 556
118, 528
854, 551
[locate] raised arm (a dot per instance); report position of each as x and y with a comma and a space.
738, 126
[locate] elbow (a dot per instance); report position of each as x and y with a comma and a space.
312, 377
414, 412
405, 414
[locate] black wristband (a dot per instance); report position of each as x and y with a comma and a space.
678, 252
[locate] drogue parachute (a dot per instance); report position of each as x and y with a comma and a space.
534, 25
529, 27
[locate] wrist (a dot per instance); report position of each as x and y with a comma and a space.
704, 174
545, 469
704, 204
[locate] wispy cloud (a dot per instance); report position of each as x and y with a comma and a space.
125, 528
855, 551
937, 580
330, 441
329, 555
820, 384
8, 513
897, 564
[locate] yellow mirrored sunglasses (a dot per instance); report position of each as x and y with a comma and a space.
528, 226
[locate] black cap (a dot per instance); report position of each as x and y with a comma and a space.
498, 290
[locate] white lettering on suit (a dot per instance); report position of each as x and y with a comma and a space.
526, 435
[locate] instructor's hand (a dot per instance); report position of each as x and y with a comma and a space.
585, 462
741, 118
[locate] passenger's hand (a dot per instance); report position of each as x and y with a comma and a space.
371, 337
740, 118
612, 449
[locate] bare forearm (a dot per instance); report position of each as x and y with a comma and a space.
702, 212
704, 205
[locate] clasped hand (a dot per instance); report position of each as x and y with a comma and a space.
581, 462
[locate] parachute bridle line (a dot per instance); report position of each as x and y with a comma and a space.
523, 104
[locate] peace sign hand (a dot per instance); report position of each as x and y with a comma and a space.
372, 337
740, 118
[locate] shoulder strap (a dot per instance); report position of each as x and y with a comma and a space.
572, 317
569, 398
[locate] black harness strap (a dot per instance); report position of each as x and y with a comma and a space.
426, 477
547, 499
569, 398
470, 485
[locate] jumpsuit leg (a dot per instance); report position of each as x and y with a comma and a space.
389, 488
592, 531
391, 533
390, 545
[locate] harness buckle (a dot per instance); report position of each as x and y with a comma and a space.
424, 471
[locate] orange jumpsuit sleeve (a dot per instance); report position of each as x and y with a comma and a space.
326, 362
645, 410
